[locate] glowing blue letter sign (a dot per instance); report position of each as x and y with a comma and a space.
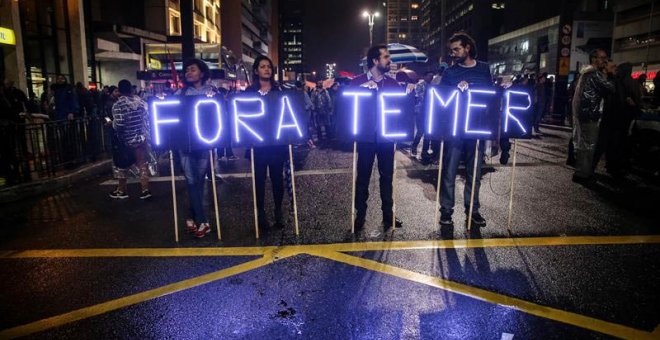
434, 128
468, 111
511, 98
285, 107
157, 121
239, 105
218, 118
391, 110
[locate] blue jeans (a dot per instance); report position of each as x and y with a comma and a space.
195, 165
457, 150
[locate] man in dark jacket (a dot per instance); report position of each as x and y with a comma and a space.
66, 100
378, 62
591, 89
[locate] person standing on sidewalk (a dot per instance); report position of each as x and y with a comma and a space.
590, 91
195, 163
466, 72
131, 124
378, 62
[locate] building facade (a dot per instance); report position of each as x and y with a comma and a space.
291, 13
250, 29
47, 39
636, 37
403, 23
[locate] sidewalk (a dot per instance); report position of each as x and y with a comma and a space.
50, 185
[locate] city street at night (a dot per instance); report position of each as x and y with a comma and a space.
577, 263
345, 169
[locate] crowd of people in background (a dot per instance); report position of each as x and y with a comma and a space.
603, 100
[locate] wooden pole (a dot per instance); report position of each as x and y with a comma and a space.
176, 218
513, 173
437, 193
394, 188
474, 181
353, 198
293, 188
215, 195
254, 196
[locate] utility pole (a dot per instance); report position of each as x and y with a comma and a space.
187, 30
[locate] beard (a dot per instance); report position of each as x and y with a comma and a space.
460, 60
384, 69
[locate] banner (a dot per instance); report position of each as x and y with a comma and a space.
366, 115
246, 119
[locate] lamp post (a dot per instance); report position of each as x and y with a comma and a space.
370, 17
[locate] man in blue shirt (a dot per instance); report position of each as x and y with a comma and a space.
466, 72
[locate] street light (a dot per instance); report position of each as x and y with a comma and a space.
370, 16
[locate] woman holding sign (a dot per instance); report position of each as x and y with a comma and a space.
267, 157
195, 163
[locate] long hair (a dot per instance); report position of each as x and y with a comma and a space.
255, 67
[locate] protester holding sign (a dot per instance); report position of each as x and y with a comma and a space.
465, 73
378, 62
195, 163
271, 158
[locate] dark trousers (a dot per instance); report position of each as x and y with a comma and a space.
385, 155
456, 151
271, 158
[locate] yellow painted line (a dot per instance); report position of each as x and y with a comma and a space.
112, 305
341, 247
484, 295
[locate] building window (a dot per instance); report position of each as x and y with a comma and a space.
198, 31
414, 5
413, 17
175, 24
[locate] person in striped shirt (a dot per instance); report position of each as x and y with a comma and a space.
131, 124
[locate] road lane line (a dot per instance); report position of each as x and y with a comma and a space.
340, 247
126, 301
487, 296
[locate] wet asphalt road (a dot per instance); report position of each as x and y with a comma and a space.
547, 288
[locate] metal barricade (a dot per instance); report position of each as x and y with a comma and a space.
40, 149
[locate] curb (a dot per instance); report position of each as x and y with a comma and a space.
22, 191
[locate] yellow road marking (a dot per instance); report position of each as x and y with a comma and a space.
484, 295
112, 305
333, 252
340, 247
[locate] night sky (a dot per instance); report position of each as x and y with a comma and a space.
335, 31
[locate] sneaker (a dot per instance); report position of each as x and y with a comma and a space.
387, 223
232, 158
445, 220
190, 226
145, 194
477, 220
204, 229
118, 194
